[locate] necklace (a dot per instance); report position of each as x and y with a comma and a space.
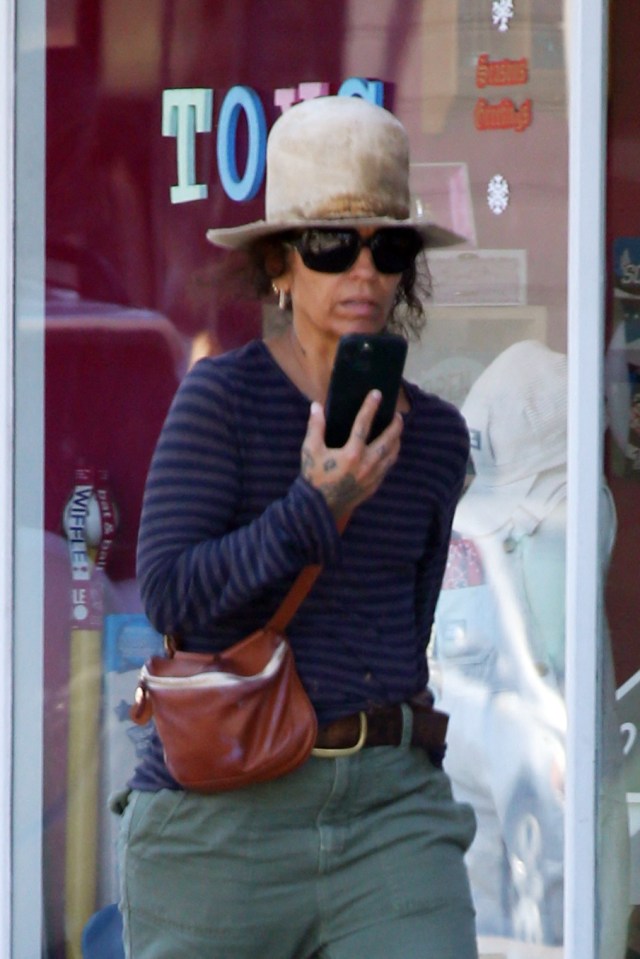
297, 348
299, 354
309, 380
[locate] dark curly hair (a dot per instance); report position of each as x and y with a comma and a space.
254, 270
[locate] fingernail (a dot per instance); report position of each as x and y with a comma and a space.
316, 407
377, 394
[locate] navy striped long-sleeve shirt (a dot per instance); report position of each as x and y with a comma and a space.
228, 522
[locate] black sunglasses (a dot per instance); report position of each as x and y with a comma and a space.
393, 249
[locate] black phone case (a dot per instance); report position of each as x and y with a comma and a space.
363, 362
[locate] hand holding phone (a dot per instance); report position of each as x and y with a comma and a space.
348, 477
363, 362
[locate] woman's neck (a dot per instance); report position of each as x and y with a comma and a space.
306, 361
310, 368
316, 355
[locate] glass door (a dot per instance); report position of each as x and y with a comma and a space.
138, 126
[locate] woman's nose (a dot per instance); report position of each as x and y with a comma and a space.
364, 262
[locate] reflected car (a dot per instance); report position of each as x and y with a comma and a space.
506, 754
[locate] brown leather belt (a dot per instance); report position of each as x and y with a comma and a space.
383, 726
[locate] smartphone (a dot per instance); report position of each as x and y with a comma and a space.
363, 362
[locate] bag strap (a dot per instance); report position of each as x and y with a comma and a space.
299, 591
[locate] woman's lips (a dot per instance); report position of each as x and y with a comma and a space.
358, 306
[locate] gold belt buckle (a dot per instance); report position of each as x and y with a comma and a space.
347, 750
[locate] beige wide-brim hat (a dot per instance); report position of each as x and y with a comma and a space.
336, 161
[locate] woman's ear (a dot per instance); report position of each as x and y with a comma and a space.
276, 261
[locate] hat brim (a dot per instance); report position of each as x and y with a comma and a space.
487, 508
239, 237
483, 508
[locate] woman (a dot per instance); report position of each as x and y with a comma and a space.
358, 854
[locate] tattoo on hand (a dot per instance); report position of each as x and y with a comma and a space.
341, 495
329, 464
308, 462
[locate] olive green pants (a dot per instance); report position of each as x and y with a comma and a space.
359, 857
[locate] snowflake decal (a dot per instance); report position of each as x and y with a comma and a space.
501, 13
498, 194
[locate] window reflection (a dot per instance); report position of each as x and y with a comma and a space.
498, 659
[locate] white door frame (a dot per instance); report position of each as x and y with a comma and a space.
587, 32
7, 194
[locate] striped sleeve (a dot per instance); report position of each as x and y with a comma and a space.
196, 564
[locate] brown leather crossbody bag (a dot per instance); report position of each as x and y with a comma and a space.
236, 717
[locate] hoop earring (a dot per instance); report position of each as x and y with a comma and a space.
282, 296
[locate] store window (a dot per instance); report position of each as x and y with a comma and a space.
622, 363
154, 131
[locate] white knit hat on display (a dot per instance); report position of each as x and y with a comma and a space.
516, 412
